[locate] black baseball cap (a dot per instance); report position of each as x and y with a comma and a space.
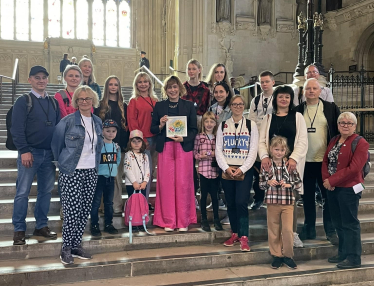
36, 69
110, 123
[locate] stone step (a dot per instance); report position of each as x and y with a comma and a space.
312, 272
44, 271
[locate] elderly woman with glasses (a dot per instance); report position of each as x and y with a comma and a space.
76, 146
236, 151
342, 174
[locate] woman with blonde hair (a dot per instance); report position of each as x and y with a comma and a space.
87, 68
112, 106
175, 200
139, 114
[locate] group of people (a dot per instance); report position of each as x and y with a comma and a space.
288, 150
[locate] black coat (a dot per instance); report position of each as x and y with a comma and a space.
185, 108
144, 62
331, 112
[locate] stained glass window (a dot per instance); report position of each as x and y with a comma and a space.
22, 20
7, 19
82, 19
54, 8
98, 22
111, 23
37, 27
124, 25
68, 19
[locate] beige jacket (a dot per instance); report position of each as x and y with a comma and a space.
300, 146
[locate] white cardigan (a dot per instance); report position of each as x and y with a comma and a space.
300, 145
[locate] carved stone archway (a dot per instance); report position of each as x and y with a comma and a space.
364, 49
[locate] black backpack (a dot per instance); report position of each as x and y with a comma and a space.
9, 139
366, 168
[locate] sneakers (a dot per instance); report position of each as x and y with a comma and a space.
231, 241
333, 238
66, 257
296, 241
348, 264
221, 205
289, 262
19, 238
197, 204
95, 230
168, 229
80, 253
183, 229
110, 229
217, 224
277, 262
336, 259
226, 220
244, 244
205, 225
45, 232
256, 205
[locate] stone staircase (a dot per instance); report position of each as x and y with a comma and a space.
192, 258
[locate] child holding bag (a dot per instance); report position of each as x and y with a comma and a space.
279, 185
204, 152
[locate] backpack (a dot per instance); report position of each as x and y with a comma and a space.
136, 212
8, 120
257, 100
366, 168
64, 96
247, 123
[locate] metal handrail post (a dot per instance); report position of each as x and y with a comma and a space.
152, 75
362, 121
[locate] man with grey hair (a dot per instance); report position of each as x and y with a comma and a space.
312, 71
321, 121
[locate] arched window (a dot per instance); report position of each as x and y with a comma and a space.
68, 19
106, 22
54, 10
7, 22
98, 22
111, 24
82, 19
22, 20
124, 25
36, 21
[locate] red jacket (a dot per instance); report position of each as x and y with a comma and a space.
349, 170
201, 96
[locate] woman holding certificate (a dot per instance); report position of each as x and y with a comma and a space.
174, 123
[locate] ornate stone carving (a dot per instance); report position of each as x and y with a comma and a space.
331, 21
245, 23
223, 10
228, 60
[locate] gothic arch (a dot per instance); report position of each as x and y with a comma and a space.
364, 47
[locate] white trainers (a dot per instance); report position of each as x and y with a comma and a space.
226, 220
296, 241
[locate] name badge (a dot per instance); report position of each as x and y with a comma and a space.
235, 150
48, 123
311, 130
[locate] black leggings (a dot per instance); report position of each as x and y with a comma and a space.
209, 186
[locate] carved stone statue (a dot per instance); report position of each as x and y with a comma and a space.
301, 7
223, 10
264, 12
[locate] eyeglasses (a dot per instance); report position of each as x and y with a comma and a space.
312, 72
87, 99
349, 124
237, 104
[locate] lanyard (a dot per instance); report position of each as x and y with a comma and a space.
150, 103
46, 113
67, 103
237, 140
312, 122
93, 131
138, 165
110, 167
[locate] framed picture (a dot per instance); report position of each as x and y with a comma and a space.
176, 125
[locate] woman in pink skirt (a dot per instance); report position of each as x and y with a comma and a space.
175, 199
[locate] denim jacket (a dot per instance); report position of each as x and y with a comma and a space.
224, 115
68, 140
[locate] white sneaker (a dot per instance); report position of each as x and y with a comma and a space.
183, 229
168, 229
296, 241
210, 207
226, 220
197, 204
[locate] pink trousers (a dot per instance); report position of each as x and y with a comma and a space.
175, 197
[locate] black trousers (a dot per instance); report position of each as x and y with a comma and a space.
209, 186
237, 195
313, 174
344, 208
259, 194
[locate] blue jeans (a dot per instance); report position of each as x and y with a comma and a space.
105, 189
45, 170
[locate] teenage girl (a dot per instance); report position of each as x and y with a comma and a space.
204, 152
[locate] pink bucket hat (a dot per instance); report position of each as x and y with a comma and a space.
136, 133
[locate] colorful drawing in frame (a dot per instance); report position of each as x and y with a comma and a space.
176, 126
